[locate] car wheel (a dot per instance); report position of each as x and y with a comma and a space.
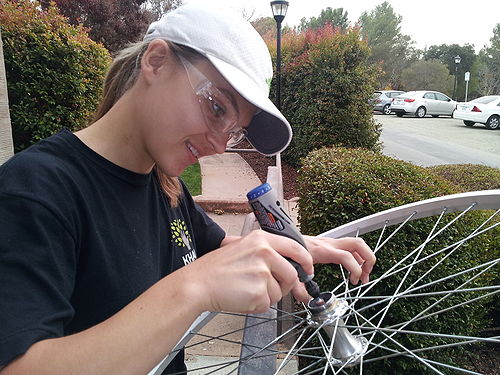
399, 114
435, 116
421, 111
493, 122
387, 109
469, 123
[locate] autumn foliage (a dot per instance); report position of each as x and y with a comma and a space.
326, 83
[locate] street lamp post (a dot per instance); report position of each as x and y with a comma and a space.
457, 61
279, 8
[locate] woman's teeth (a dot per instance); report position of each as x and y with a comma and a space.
193, 150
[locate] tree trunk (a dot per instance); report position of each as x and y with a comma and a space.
6, 145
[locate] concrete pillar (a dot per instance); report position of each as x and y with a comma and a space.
6, 144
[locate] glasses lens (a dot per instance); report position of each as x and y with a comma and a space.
219, 111
236, 137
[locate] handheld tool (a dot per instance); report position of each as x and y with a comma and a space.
273, 219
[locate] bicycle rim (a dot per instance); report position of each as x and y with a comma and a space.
430, 309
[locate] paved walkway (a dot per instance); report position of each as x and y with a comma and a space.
226, 179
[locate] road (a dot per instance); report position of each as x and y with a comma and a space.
434, 141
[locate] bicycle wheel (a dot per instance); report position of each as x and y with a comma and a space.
431, 308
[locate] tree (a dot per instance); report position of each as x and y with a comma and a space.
266, 27
381, 28
160, 7
488, 67
336, 17
427, 75
446, 54
114, 23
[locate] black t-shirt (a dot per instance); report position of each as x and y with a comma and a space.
81, 237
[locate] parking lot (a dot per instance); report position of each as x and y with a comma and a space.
433, 141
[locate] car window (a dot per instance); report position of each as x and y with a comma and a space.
429, 95
395, 93
485, 99
442, 97
376, 94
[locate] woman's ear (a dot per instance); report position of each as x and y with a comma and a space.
155, 58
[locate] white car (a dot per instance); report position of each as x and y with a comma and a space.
421, 103
484, 110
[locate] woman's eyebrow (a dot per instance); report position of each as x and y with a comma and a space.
230, 96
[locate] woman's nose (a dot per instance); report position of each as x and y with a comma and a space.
218, 140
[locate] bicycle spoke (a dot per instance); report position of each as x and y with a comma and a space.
429, 360
393, 270
289, 354
403, 325
408, 351
487, 264
428, 273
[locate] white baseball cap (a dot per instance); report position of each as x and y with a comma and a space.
240, 55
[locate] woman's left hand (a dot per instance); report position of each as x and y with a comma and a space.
352, 253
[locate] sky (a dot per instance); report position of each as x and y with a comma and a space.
427, 22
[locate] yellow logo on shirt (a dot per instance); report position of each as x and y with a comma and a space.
180, 233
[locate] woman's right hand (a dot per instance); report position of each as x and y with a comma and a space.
247, 275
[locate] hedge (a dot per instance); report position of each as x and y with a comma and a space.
54, 71
338, 185
326, 84
469, 177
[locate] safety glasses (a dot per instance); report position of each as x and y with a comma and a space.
219, 112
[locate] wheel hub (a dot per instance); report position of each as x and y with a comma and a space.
347, 350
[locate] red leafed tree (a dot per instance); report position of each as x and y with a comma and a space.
114, 23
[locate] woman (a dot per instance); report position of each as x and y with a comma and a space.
99, 236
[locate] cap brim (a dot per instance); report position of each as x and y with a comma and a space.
269, 132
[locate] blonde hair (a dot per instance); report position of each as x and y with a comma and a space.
121, 76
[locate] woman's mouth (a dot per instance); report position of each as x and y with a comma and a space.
193, 150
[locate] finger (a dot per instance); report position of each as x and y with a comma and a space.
358, 246
358, 258
365, 277
347, 259
282, 271
274, 291
289, 248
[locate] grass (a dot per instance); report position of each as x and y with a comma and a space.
192, 178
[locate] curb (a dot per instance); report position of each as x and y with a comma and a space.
225, 205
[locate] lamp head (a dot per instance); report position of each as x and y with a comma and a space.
279, 8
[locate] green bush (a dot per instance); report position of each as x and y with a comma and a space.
326, 84
469, 177
339, 185
54, 71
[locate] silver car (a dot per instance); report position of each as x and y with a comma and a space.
382, 100
421, 103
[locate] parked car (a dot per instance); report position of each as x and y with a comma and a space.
421, 103
381, 100
484, 110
